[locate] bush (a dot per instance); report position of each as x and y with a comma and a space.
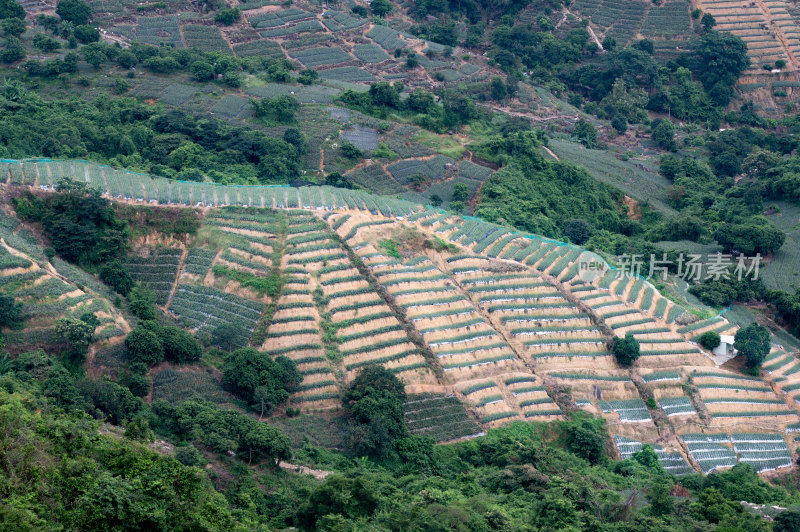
258, 379
75, 11
710, 340
626, 350
144, 346
228, 15
117, 277
188, 455
202, 71
350, 151
753, 342
87, 34
578, 231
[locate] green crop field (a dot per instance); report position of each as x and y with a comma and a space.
643, 185
782, 272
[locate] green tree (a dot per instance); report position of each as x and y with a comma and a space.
721, 58
751, 237
626, 350
372, 378
708, 21
586, 437
787, 521
13, 50
11, 9
202, 71
75, 11
753, 342
308, 76
142, 303
179, 345
143, 345
263, 442
77, 333
294, 137
350, 151
9, 310
578, 231
228, 15
586, 133
13, 27
115, 275
460, 192
258, 379
86, 34
710, 340
227, 336
381, 8
663, 134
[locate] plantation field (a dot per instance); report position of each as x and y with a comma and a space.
782, 272
481, 333
646, 186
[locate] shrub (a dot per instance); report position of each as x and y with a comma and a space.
710, 340
753, 342
75, 11
626, 350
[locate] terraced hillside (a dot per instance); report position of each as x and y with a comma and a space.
483, 324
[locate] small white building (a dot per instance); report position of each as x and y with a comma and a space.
725, 347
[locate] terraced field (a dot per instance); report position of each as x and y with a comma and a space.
484, 325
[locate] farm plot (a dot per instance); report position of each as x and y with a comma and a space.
432, 169
367, 331
156, 270
732, 398
530, 397
387, 38
442, 417
198, 261
668, 20
347, 73
158, 30
204, 309
765, 452
230, 105
673, 462
294, 333
363, 138
543, 324
628, 410
487, 400
710, 451
631, 179
337, 21
176, 386
463, 342
205, 38
261, 48
321, 56
781, 274
474, 171
374, 179
304, 26
592, 390
272, 19
370, 53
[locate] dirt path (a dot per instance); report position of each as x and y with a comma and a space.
303, 470
550, 153
181, 265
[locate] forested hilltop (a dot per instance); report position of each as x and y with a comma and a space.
358, 265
